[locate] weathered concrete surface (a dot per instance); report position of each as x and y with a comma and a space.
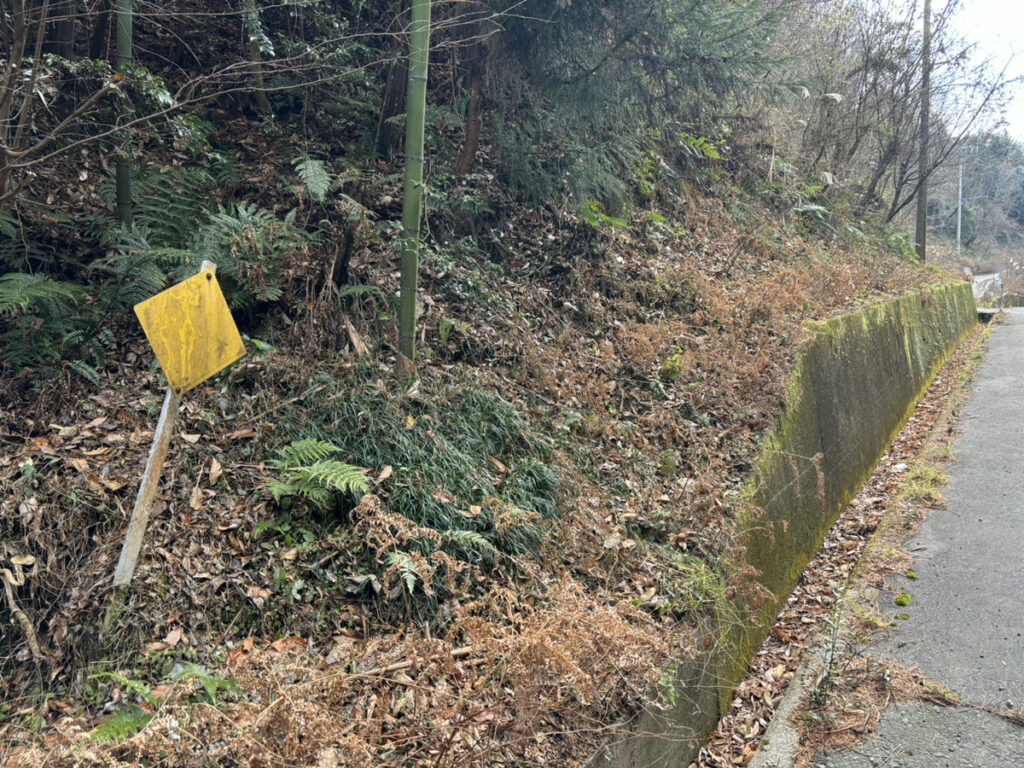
966, 625
927, 736
967, 617
855, 384
856, 381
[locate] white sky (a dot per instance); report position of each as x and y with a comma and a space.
998, 28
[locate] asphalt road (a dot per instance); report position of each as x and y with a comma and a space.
966, 622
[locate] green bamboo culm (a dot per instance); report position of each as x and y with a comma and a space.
419, 56
123, 172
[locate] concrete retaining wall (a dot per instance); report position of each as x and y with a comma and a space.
856, 381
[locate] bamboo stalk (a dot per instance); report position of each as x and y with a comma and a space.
419, 57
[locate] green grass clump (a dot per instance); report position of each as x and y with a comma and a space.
465, 462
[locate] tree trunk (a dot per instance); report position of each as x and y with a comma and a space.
259, 92
389, 135
473, 117
61, 36
123, 173
98, 41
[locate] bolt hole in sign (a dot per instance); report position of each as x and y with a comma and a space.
191, 331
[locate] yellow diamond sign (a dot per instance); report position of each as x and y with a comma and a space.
191, 331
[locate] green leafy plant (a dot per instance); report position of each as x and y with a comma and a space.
316, 177
20, 291
701, 147
41, 320
309, 473
212, 685
404, 563
121, 725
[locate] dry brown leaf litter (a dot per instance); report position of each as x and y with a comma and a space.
667, 354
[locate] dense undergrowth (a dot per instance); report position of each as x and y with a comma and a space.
495, 563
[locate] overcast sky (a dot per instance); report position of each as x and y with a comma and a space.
998, 28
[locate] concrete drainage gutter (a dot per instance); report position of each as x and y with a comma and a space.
855, 383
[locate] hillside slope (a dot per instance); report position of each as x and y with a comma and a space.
549, 505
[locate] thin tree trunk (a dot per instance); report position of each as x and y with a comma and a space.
98, 41
259, 90
473, 117
62, 33
123, 173
389, 136
419, 56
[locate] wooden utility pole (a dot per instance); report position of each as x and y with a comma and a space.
419, 58
921, 235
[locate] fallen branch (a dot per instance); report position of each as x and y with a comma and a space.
20, 616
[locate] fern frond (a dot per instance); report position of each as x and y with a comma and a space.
356, 290
137, 687
8, 225
20, 291
298, 485
121, 725
226, 170
406, 567
86, 371
315, 177
131, 275
212, 684
469, 540
306, 451
309, 473
337, 476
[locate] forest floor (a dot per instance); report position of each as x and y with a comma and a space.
594, 392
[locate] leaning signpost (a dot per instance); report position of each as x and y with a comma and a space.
194, 337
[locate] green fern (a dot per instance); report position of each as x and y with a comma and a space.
137, 687
121, 725
306, 451
36, 315
315, 176
212, 685
20, 291
406, 567
469, 540
86, 371
309, 474
336, 476
226, 170
129, 274
8, 225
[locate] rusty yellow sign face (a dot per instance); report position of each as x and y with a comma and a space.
191, 330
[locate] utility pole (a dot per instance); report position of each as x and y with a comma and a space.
959, 205
921, 234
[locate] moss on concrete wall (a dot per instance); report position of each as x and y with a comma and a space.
856, 381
